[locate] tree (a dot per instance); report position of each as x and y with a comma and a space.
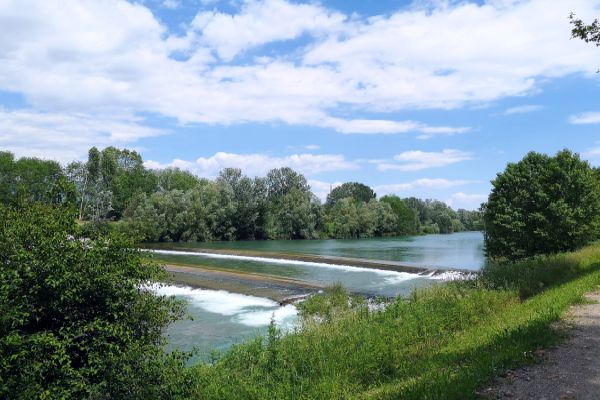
281, 181
542, 205
175, 179
358, 191
75, 319
249, 199
587, 33
407, 222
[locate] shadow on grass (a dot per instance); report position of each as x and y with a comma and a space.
475, 357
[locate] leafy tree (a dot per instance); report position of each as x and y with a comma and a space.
407, 222
249, 201
124, 175
358, 191
75, 321
281, 181
344, 221
175, 179
542, 205
7, 172
385, 220
32, 180
292, 217
444, 222
587, 33
471, 220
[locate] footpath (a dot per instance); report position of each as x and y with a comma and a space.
569, 371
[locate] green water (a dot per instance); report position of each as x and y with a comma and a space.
463, 250
222, 319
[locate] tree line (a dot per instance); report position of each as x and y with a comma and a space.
175, 205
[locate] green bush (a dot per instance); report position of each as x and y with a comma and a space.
542, 205
75, 321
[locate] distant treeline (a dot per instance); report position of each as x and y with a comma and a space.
175, 205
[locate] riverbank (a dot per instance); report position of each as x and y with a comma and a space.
443, 342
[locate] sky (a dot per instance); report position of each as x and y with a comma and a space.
426, 98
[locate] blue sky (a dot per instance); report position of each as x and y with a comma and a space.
426, 98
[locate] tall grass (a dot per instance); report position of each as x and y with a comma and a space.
443, 342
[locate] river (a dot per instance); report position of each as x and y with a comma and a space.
221, 318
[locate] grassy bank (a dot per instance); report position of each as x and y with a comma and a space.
444, 342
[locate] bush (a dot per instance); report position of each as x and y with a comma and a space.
75, 321
542, 205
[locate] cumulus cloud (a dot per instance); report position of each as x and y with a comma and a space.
424, 183
466, 201
585, 118
321, 189
262, 22
524, 109
110, 57
387, 127
67, 136
259, 164
417, 160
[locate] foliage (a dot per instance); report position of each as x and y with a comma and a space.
174, 205
355, 190
175, 179
437, 217
443, 342
407, 222
32, 180
74, 319
587, 33
249, 198
349, 218
542, 205
108, 181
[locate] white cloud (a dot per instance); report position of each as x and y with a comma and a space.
466, 201
261, 22
387, 127
424, 183
259, 164
417, 160
524, 109
171, 4
585, 118
593, 155
64, 136
321, 189
113, 57
431, 131
312, 147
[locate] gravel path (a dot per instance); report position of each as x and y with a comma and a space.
570, 371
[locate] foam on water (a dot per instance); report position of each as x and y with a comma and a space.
281, 316
247, 310
398, 276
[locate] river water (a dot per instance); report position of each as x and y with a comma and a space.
222, 318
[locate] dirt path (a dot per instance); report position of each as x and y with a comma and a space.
570, 371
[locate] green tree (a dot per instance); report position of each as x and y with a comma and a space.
407, 222
7, 176
281, 181
249, 199
587, 33
358, 191
175, 179
542, 205
75, 320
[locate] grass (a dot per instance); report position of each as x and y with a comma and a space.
444, 342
